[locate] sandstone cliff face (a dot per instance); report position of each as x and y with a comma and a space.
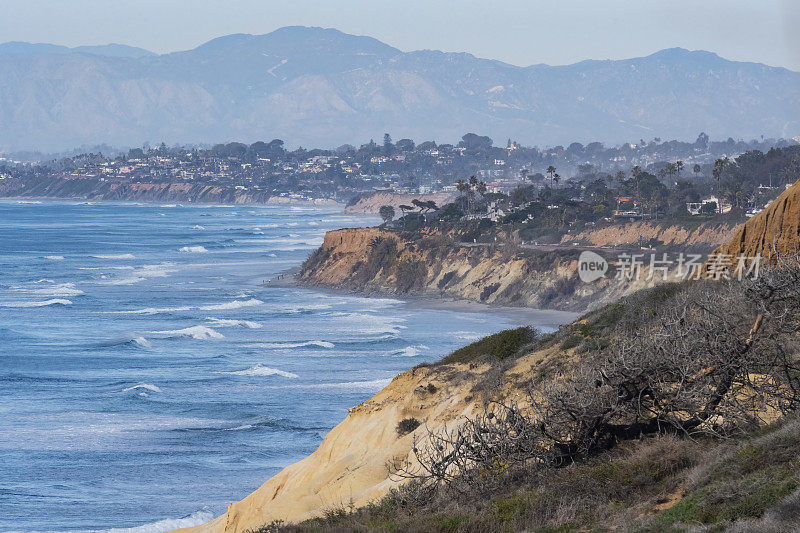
350, 466
705, 236
775, 229
94, 189
488, 274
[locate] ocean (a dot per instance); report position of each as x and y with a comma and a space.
149, 375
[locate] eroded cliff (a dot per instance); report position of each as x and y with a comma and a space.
350, 467
372, 260
776, 229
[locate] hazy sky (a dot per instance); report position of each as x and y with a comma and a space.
516, 31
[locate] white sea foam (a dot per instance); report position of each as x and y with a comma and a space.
198, 227
373, 385
54, 301
114, 256
224, 306
195, 332
143, 386
144, 272
224, 322
54, 257
466, 335
260, 370
52, 289
236, 304
193, 249
411, 351
279, 345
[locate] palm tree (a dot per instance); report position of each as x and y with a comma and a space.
719, 170
550, 171
697, 169
556, 178
462, 187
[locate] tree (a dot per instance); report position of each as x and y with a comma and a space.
719, 169
419, 204
404, 208
387, 213
388, 147
462, 187
550, 171
697, 169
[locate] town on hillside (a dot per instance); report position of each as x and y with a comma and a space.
647, 179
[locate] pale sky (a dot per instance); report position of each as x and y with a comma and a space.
515, 31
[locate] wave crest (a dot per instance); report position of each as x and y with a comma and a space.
260, 370
54, 301
195, 332
302, 344
193, 249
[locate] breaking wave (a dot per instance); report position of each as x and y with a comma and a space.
320, 344
224, 322
136, 340
193, 249
195, 332
144, 386
260, 370
411, 351
51, 289
114, 256
54, 301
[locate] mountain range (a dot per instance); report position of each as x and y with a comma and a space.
322, 88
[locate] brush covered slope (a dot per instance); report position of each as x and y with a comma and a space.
583, 428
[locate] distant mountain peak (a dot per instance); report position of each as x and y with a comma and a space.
322, 87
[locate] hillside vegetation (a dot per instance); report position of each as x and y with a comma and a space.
666, 411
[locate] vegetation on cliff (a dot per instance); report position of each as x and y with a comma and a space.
669, 409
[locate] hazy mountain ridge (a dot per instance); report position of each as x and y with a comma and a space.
321, 87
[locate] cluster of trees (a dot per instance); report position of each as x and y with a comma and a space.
549, 207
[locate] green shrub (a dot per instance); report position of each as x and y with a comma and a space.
502, 345
571, 342
406, 426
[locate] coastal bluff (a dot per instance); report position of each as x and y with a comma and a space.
350, 467
377, 261
776, 229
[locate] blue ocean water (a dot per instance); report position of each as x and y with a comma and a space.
148, 377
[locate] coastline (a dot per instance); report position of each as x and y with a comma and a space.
411, 301
323, 202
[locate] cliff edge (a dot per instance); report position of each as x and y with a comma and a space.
775, 229
350, 466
